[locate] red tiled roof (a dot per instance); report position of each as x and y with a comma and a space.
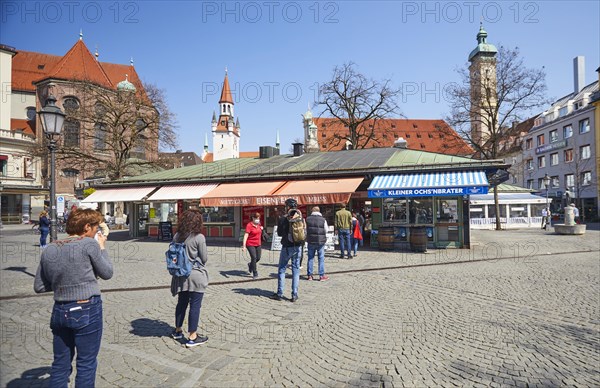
226, 92
79, 64
25, 125
223, 127
28, 67
423, 135
209, 157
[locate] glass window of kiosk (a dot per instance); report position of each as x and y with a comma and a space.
421, 210
492, 211
446, 210
217, 214
395, 210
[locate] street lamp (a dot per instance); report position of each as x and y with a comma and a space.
547, 184
52, 118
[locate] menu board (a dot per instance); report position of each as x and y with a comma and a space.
165, 231
329, 244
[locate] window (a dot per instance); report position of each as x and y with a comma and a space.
555, 181
71, 129
554, 159
70, 172
3, 165
430, 135
140, 146
568, 155
541, 184
553, 135
30, 112
569, 180
584, 151
541, 162
567, 131
100, 136
540, 140
528, 144
529, 164
70, 104
584, 126
28, 168
418, 135
530, 184
586, 178
100, 109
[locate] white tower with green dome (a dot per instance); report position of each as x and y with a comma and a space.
482, 72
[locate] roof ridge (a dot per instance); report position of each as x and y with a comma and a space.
80, 47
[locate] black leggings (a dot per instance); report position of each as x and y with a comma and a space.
254, 257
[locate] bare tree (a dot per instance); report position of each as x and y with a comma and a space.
114, 134
357, 103
494, 102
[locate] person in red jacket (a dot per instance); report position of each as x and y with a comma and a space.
252, 242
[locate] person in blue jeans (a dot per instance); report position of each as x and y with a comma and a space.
316, 237
70, 268
343, 223
290, 250
44, 228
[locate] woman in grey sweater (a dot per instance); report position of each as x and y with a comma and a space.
190, 290
70, 269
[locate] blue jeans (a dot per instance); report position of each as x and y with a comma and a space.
76, 327
320, 251
43, 236
354, 244
285, 255
194, 299
344, 238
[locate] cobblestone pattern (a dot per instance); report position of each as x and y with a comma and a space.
531, 320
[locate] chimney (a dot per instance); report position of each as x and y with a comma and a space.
400, 143
579, 73
298, 149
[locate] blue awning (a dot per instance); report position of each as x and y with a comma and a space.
457, 183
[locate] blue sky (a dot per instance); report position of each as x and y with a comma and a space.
278, 52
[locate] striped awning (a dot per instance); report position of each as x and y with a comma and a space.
456, 183
126, 194
185, 192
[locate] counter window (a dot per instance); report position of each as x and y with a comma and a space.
447, 210
217, 214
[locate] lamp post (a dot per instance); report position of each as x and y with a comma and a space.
546, 180
52, 118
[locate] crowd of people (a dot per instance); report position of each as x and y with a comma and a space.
71, 267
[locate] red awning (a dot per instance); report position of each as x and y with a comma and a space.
275, 193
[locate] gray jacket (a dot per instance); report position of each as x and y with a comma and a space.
69, 267
198, 279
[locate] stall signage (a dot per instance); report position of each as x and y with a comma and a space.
276, 200
428, 192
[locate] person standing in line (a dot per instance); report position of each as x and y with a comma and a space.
290, 250
316, 237
343, 223
70, 268
252, 242
544, 218
44, 228
356, 234
190, 290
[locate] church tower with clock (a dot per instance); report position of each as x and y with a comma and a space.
225, 128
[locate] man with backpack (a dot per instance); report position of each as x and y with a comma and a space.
292, 230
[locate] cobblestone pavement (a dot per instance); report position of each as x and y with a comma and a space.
519, 309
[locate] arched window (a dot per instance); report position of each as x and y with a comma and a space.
100, 109
71, 104
100, 136
71, 130
30, 111
70, 172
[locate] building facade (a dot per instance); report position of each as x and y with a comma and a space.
562, 146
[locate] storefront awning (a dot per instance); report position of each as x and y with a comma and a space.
440, 184
241, 194
128, 194
326, 191
185, 192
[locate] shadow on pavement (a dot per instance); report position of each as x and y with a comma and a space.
145, 327
36, 377
234, 272
20, 269
253, 292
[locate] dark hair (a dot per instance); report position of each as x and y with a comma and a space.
79, 218
291, 203
189, 224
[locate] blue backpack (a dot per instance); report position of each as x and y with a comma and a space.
178, 263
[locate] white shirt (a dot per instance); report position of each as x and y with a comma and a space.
544, 212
